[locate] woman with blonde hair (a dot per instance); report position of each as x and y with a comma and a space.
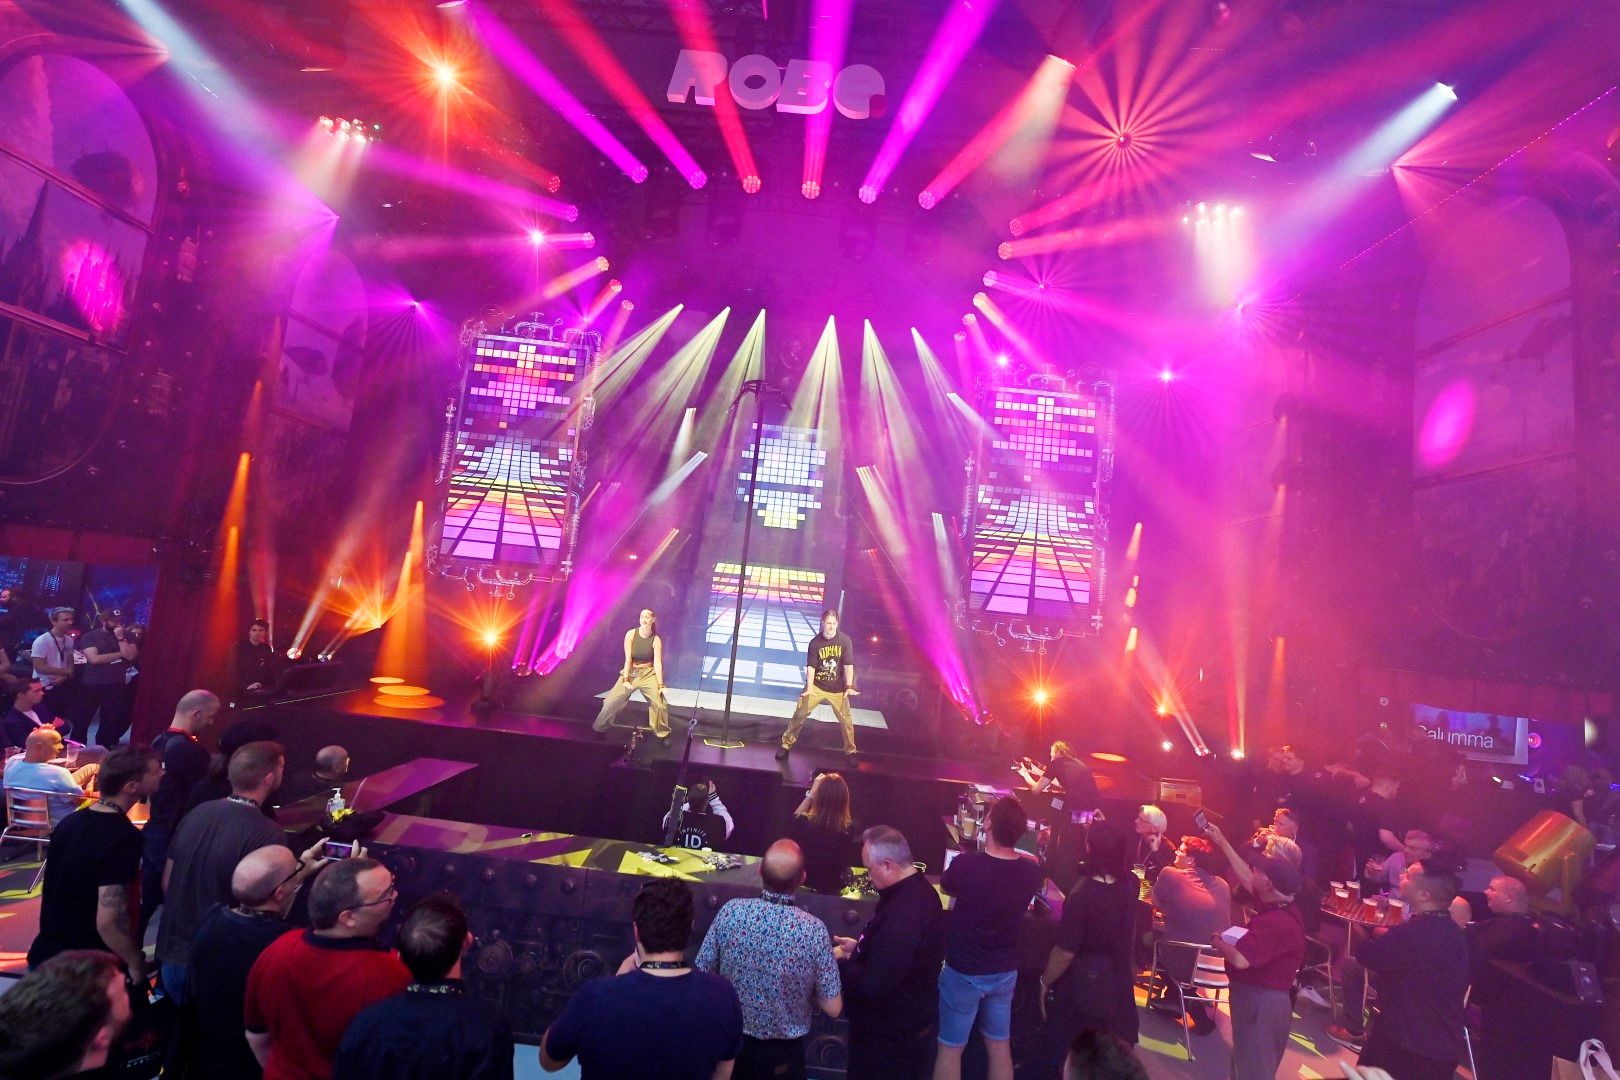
825, 832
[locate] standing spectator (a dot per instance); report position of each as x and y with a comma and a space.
825, 832
184, 763
108, 654
891, 975
1152, 853
55, 663
1197, 904
657, 1017
432, 1030
1421, 970
1373, 819
34, 770
309, 985
1262, 965
28, 713
1070, 812
1074, 776
64, 1017
1087, 981
1509, 934
780, 959
228, 942
1320, 798
92, 869
255, 661
206, 849
993, 889
13, 621
216, 782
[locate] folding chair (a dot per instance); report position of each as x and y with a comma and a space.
28, 821
1208, 973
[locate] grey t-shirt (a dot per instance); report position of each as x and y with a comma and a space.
206, 847
105, 644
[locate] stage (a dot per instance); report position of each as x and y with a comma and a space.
556, 773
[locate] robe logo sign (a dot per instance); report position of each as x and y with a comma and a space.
755, 82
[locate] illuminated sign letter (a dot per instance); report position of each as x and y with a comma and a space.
805, 87
697, 73
750, 70
858, 91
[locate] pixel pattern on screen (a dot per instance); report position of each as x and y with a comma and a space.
508, 502
1034, 552
792, 473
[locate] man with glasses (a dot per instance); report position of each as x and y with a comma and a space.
231, 938
306, 988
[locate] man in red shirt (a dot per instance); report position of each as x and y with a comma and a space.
1262, 964
309, 984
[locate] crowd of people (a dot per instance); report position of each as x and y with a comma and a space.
268, 959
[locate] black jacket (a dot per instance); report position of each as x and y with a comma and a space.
891, 984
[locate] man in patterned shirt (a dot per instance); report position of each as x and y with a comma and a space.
779, 958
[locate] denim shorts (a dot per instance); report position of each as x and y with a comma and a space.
962, 997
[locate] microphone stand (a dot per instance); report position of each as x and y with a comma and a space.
677, 797
759, 388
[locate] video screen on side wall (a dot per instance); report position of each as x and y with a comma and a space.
1477, 736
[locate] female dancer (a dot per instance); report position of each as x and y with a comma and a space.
644, 671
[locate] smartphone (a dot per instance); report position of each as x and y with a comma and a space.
1202, 821
336, 850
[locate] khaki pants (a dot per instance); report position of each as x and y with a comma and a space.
641, 678
807, 704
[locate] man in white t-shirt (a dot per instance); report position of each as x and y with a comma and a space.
55, 655
33, 769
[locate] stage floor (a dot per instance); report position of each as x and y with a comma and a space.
757, 723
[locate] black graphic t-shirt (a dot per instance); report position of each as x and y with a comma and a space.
828, 657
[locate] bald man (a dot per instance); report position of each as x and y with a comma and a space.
1508, 935
34, 770
229, 940
331, 770
781, 962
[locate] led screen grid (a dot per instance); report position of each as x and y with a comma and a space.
795, 558
792, 472
781, 613
507, 503
1034, 554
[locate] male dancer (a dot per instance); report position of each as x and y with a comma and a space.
829, 667
643, 670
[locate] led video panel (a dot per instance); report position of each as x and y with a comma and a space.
507, 502
795, 559
1035, 562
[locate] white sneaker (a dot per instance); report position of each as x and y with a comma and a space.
1312, 995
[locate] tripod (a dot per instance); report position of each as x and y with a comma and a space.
759, 388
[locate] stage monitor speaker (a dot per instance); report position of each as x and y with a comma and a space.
540, 932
